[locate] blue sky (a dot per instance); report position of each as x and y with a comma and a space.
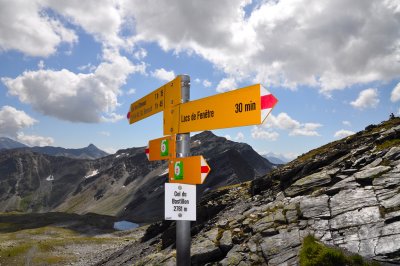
70, 69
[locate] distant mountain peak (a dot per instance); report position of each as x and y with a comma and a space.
7, 143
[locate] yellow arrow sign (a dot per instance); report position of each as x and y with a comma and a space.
161, 149
162, 98
241, 107
188, 170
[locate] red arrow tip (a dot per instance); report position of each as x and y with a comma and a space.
268, 101
205, 169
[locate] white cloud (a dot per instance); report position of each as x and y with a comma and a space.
226, 84
88, 98
109, 150
228, 137
206, 83
34, 140
286, 43
239, 136
131, 91
286, 156
307, 129
25, 27
104, 20
140, 54
13, 120
346, 123
366, 99
343, 133
41, 64
105, 133
257, 132
163, 74
88, 67
284, 122
395, 96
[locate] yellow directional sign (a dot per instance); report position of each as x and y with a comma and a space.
241, 107
162, 98
188, 170
161, 149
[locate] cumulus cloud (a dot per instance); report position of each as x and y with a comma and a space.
34, 140
284, 122
88, 98
366, 99
226, 84
395, 96
105, 133
105, 24
260, 42
239, 136
343, 133
258, 132
206, 83
20, 22
228, 137
286, 43
13, 120
163, 74
131, 91
346, 123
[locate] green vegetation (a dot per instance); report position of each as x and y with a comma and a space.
313, 253
55, 238
388, 144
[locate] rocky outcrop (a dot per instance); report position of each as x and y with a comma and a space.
349, 199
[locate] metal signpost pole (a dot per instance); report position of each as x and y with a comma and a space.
183, 237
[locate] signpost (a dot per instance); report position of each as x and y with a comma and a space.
180, 202
241, 107
161, 149
188, 170
162, 98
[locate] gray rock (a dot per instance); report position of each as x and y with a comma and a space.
352, 199
356, 218
392, 153
371, 172
279, 217
204, 250
349, 171
392, 215
212, 234
375, 163
234, 257
386, 181
306, 183
287, 257
345, 184
388, 245
276, 244
392, 202
291, 216
360, 150
311, 207
225, 243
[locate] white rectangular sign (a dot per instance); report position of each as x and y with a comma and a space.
180, 202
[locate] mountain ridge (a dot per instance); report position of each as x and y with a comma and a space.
89, 152
124, 184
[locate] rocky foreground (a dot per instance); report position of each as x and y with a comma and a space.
345, 194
